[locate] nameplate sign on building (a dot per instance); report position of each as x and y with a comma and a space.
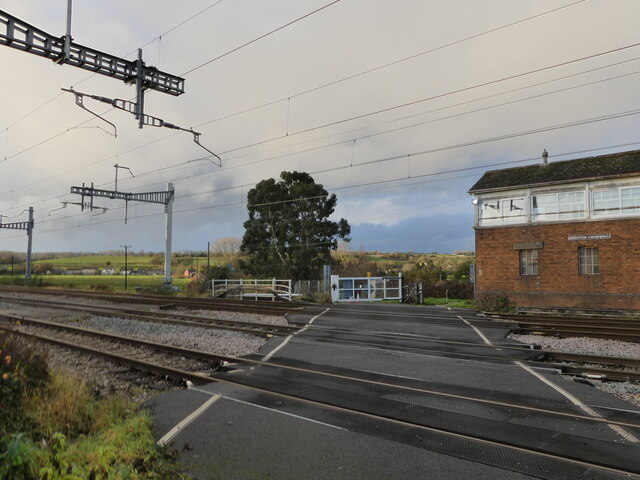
595, 236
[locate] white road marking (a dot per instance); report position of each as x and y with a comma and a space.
286, 340
284, 413
576, 401
178, 428
485, 339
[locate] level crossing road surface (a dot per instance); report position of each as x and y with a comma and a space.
401, 392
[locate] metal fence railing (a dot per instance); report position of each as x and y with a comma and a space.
252, 289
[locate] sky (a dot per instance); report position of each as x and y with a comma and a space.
395, 106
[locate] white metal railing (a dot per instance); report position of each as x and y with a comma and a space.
253, 289
366, 289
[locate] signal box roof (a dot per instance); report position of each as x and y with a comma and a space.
612, 165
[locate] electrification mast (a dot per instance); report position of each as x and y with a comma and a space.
164, 198
28, 226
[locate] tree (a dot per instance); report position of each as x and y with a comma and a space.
226, 246
289, 234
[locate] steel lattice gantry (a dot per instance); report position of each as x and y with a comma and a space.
163, 198
28, 226
23, 36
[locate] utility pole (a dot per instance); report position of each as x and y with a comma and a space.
126, 264
208, 254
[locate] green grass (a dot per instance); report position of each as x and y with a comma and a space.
53, 427
103, 261
452, 302
95, 261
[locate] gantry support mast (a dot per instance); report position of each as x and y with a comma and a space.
28, 226
164, 198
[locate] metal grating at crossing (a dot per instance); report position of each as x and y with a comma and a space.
457, 420
516, 460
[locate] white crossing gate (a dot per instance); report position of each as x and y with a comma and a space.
365, 289
252, 289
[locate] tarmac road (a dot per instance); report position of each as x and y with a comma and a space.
227, 431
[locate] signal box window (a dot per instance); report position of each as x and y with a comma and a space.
528, 262
588, 260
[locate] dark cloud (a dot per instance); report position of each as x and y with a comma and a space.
442, 233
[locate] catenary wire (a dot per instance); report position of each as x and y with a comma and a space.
175, 27
338, 134
448, 147
375, 183
299, 93
250, 42
444, 148
389, 64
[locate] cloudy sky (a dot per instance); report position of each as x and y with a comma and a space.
396, 106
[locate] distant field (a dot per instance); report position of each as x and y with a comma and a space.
117, 261
115, 282
94, 261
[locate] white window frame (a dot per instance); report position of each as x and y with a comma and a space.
588, 260
505, 209
620, 209
556, 213
529, 262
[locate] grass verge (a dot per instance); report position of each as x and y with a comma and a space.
53, 428
451, 302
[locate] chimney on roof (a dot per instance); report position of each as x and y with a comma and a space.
545, 155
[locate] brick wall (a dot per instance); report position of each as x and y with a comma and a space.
558, 283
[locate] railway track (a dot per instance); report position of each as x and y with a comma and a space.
326, 387
614, 328
584, 365
589, 366
595, 367
166, 302
166, 316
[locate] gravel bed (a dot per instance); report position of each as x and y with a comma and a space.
590, 346
237, 316
104, 376
59, 298
213, 341
593, 346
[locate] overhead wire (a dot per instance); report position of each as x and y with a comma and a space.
175, 27
389, 64
578, 2
411, 126
341, 133
363, 184
189, 71
251, 42
351, 140
314, 88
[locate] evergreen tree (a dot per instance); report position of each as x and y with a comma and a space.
288, 233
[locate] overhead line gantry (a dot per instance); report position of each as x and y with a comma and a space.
21, 35
28, 226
